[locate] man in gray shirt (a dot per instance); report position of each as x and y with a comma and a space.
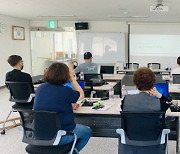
88, 67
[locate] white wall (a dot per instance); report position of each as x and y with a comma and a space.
94, 27
9, 46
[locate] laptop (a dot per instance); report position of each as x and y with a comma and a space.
176, 78
81, 84
107, 70
162, 88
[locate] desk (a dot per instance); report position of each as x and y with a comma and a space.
38, 79
162, 71
174, 90
105, 123
107, 86
113, 77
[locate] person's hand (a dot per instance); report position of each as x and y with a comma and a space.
154, 92
75, 106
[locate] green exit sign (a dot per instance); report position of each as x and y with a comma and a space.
52, 24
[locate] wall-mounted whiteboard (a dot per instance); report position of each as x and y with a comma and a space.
105, 47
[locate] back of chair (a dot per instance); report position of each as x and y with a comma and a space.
154, 65
40, 127
176, 78
19, 91
132, 66
143, 126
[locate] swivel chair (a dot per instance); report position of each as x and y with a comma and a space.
42, 132
22, 94
154, 65
143, 132
132, 66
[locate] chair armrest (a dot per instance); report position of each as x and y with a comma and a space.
32, 95
163, 135
122, 134
60, 133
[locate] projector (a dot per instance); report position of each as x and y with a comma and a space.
158, 8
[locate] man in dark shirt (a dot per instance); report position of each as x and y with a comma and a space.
17, 76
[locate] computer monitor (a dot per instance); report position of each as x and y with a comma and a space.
162, 88
107, 69
69, 84
82, 85
176, 78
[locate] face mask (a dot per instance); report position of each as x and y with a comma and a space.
22, 67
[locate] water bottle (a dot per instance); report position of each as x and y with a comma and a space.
81, 76
124, 91
111, 93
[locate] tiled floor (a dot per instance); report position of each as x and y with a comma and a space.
11, 144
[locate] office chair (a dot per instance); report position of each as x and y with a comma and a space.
98, 93
176, 78
154, 65
42, 132
132, 66
92, 76
22, 94
143, 131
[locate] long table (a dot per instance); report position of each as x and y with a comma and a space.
162, 71
105, 122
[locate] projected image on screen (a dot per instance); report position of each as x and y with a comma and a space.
150, 45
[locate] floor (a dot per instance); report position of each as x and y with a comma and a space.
10, 143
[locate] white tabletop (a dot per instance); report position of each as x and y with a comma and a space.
154, 70
113, 76
107, 86
112, 106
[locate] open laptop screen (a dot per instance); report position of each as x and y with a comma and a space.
107, 69
162, 88
69, 84
176, 78
81, 83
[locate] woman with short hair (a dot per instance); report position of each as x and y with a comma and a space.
144, 80
54, 96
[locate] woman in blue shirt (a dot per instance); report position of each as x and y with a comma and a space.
54, 96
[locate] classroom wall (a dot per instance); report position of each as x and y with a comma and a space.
9, 46
94, 27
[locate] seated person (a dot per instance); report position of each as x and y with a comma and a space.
88, 67
16, 75
144, 80
55, 96
176, 70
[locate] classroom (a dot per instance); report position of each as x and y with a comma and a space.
118, 36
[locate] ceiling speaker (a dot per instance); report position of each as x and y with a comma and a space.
81, 25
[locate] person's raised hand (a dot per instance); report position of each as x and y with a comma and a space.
154, 92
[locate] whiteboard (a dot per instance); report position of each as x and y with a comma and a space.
105, 47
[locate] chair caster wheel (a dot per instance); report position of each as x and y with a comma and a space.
3, 132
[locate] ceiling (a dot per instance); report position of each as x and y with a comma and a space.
91, 10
